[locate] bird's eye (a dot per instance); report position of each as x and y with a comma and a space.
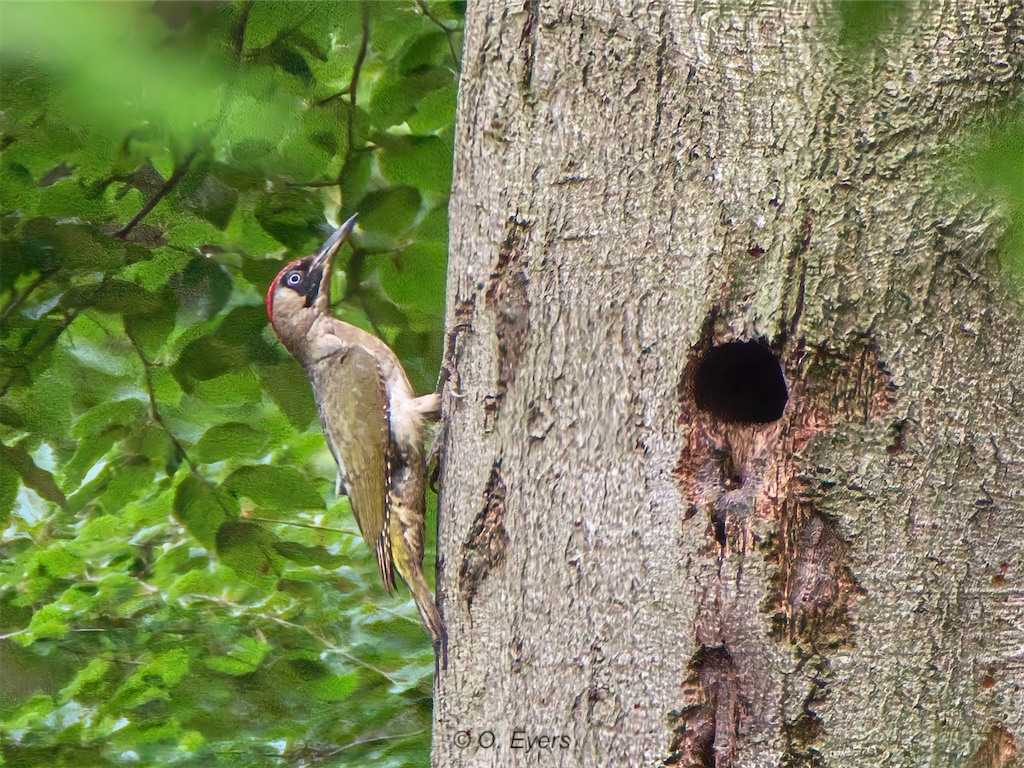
293, 278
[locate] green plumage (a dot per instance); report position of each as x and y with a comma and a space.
353, 406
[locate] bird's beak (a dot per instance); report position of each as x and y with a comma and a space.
325, 256
323, 261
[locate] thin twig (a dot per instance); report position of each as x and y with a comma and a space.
352, 86
372, 739
318, 755
312, 184
449, 32
243, 20
323, 641
334, 96
17, 299
300, 525
155, 412
171, 183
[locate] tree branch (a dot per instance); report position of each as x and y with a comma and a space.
171, 183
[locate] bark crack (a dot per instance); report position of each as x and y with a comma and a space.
486, 543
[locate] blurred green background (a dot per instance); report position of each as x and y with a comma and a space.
174, 590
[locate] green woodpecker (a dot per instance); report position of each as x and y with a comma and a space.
372, 422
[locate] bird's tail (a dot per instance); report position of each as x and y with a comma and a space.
405, 526
429, 614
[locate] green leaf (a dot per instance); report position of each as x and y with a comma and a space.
415, 278
201, 509
267, 20
336, 687
246, 656
307, 156
242, 324
424, 53
130, 477
228, 665
104, 415
288, 387
291, 61
170, 666
151, 330
206, 358
90, 450
424, 162
248, 550
434, 111
233, 388
291, 216
358, 175
260, 272
35, 709
91, 682
58, 562
304, 555
274, 488
73, 246
105, 529
230, 441
10, 481
395, 96
199, 582
236, 344
213, 199
389, 211
39, 480
49, 622
203, 288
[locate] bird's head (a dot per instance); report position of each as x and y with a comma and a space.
302, 290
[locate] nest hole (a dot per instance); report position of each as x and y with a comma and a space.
740, 382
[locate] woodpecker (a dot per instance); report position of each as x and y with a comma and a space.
371, 419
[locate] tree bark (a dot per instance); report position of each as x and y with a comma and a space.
640, 559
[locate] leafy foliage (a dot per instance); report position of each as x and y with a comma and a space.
995, 171
174, 589
861, 24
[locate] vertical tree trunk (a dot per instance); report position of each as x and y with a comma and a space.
649, 554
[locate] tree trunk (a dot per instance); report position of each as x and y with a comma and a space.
649, 553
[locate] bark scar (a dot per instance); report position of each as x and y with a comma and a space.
507, 297
705, 730
997, 751
486, 543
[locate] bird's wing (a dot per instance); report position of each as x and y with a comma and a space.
354, 415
